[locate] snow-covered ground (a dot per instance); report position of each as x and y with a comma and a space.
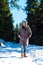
10, 54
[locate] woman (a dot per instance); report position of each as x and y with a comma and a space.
24, 34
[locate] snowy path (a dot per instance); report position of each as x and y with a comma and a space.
10, 55
16, 60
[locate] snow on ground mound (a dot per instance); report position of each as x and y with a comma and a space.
11, 55
2, 42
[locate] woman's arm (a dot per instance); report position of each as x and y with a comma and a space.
30, 32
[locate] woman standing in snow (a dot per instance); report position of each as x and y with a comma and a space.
24, 34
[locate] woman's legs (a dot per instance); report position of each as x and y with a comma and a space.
23, 51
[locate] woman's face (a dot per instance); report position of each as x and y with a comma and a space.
24, 23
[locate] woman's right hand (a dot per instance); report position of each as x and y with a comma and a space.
19, 36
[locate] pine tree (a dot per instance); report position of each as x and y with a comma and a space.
35, 18
16, 34
6, 22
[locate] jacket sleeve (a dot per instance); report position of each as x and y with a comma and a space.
29, 31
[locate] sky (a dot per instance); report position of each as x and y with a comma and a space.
18, 15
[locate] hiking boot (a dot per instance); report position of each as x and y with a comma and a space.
25, 55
